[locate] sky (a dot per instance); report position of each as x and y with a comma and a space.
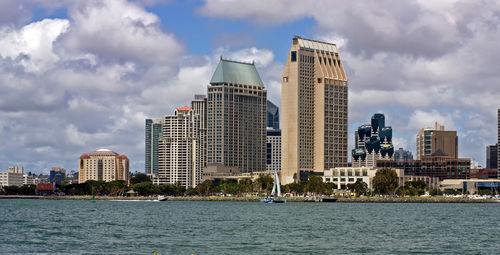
76, 76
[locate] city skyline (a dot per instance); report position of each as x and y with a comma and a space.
63, 94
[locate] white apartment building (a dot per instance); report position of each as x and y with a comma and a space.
13, 176
180, 148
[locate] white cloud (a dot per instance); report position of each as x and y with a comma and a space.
32, 45
120, 30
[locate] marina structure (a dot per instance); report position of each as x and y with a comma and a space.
314, 109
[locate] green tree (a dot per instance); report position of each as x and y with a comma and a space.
28, 189
247, 185
315, 185
139, 177
115, 188
205, 188
385, 181
265, 183
359, 187
144, 188
435, 192
12, 190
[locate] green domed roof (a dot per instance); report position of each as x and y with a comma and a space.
236, 73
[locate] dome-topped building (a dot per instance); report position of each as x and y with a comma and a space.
103, 165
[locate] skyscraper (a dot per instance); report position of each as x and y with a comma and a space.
178, 158
492, 156
236, 119
373, 142
103, 165
153, 137
273, 149
314, 109
430, 140
273, 116
199, 106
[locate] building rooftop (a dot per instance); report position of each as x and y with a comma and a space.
184, 108
316, 45
103, 152
235, 72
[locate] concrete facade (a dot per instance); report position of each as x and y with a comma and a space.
430, 140
342, 176
103, 165
11, 179
314, 109
236, 118
179, 159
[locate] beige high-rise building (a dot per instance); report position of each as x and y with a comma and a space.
180, 149
314, 109
430, 140
103, 165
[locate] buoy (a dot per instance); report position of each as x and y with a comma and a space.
93, 199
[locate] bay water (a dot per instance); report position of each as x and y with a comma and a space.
176, 227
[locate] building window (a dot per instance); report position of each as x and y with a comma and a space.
293, 56
285, 79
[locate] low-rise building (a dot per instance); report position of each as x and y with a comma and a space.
13, 177
57, 175
103, 165
471, 185
342, 176
483, 173
438, 165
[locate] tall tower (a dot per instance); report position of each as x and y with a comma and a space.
236, 119
314, 109
153, 137
178, 158
199, 106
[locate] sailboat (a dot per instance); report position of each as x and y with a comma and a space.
275, 196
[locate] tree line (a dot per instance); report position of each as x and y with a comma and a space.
385, 182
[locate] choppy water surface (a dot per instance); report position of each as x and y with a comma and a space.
107, 227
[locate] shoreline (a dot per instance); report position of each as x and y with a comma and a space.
257, 199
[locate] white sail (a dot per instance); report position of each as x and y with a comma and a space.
274, 188
277, 183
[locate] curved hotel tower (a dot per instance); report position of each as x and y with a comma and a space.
314, 110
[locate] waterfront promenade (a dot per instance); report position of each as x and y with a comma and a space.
362, 199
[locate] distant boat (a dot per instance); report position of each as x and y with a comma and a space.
162, 198
275, 196
329, 199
